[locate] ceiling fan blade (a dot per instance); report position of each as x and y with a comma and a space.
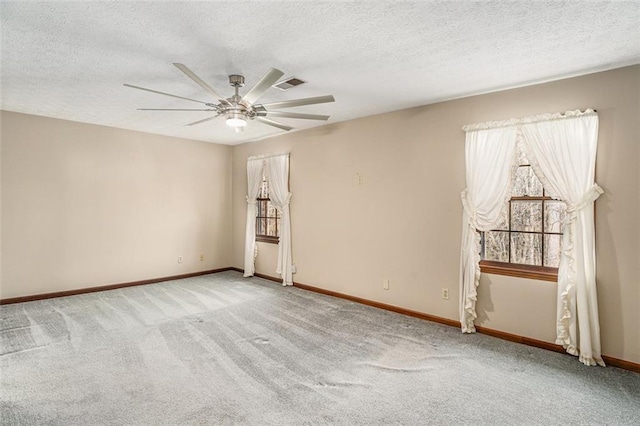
175, 109
200, 82
201, 121
269, 79
299, 102
166, 94
293, 115
273, 123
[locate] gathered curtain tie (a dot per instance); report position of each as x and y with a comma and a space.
280, 206
252, 201
589, 197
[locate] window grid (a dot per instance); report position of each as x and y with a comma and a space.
539, 271
264, 232
542, 233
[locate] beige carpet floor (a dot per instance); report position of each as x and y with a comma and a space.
221, 349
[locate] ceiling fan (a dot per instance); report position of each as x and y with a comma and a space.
239, 110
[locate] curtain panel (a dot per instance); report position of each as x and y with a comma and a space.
563, 155
254, 180
278, 176
490, 158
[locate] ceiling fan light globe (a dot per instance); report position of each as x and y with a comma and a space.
236, 122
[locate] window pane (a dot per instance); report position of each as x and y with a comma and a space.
261, 225
264, 189
271, 211
504, 219
496, 246
554, 214
526, 249
552, 247
526, 216
271, 227
522, 157
526, 183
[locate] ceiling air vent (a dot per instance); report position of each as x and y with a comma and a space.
289, 83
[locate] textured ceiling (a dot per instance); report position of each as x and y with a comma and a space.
70, 59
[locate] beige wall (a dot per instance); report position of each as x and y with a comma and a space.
86, 205
404, 222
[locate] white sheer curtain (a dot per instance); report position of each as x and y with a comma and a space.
563, 154
491, 165
254, 181
278, 176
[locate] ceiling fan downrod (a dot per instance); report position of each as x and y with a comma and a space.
238, 113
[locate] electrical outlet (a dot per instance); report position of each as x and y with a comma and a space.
294, 268
202, 258
385, 284
445, 293
179, 259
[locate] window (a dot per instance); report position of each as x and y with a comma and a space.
527, 241
268, 219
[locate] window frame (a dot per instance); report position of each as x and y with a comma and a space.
538, 272
542, 273
264, 238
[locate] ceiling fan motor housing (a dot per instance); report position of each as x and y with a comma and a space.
236, 80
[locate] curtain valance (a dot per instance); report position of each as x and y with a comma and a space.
263, 156
529, 120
